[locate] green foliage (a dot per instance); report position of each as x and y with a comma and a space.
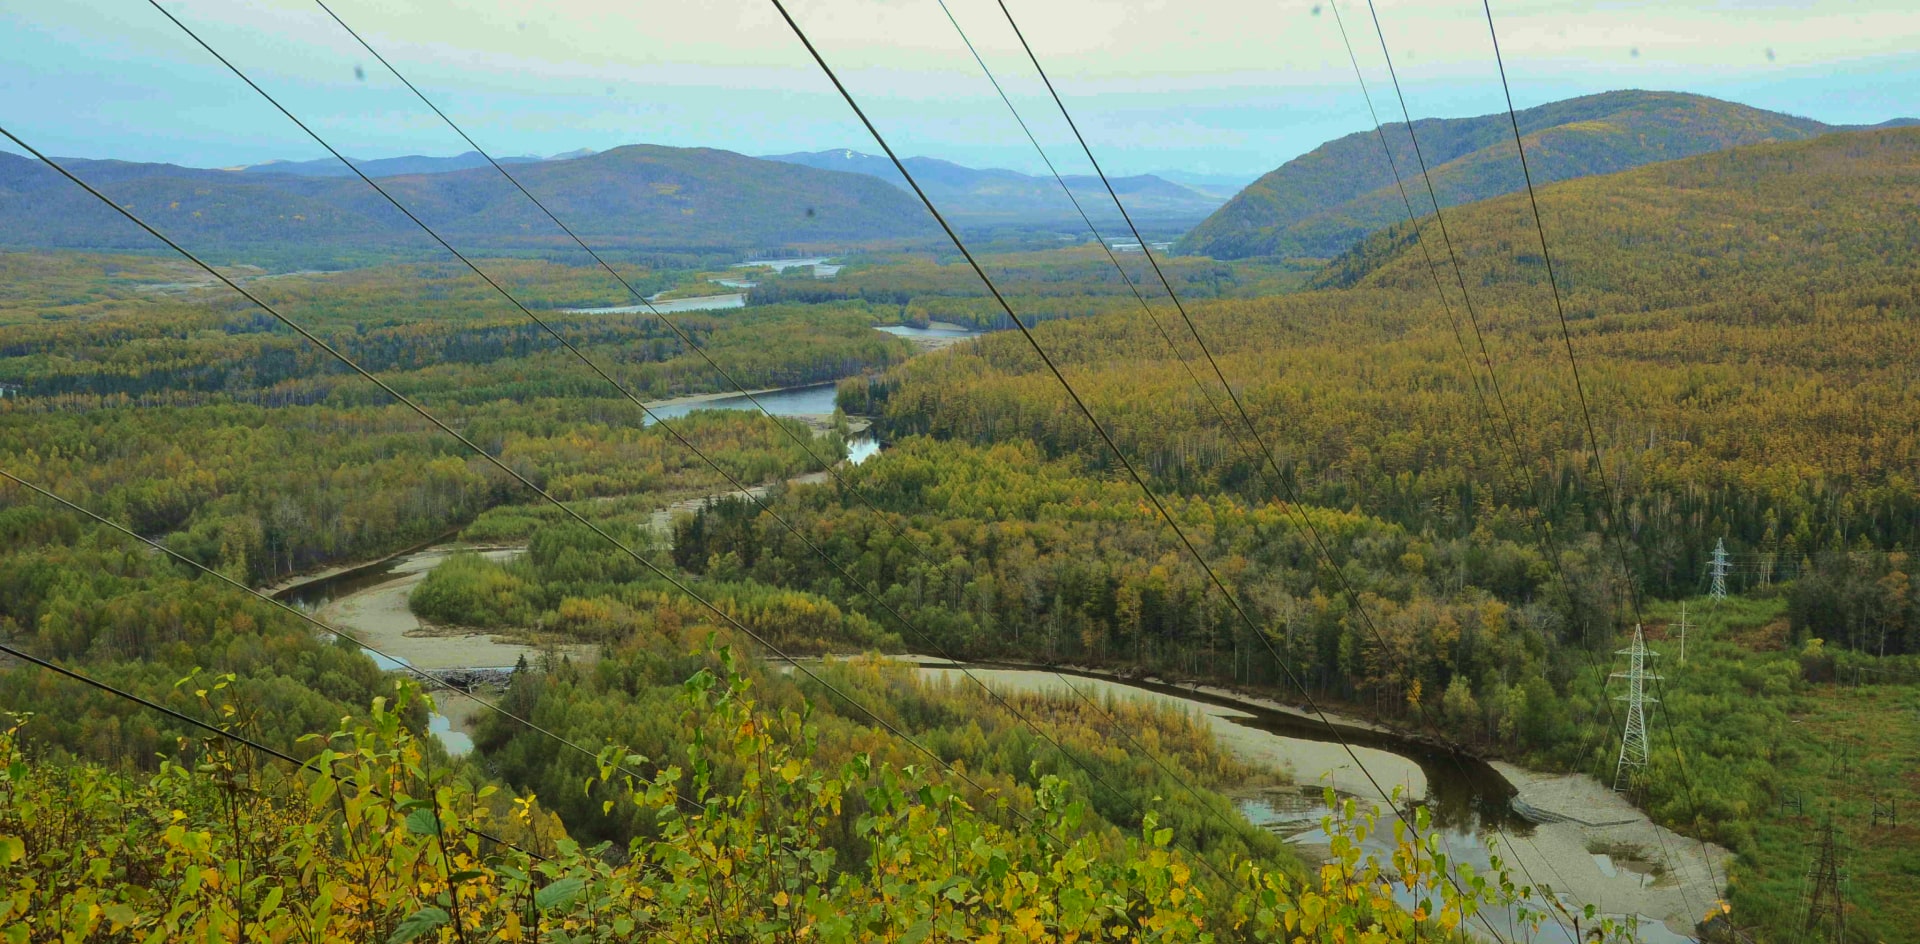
137, 621
1756, 741
465, 591
1862, 599
1025, 558
225, 850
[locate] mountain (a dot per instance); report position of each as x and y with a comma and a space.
382, 167
1319, 204
974, 196
637, 197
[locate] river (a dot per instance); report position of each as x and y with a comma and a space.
669, 306
1472, 802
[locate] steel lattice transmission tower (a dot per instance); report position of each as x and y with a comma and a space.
1719, 570
1826, 905
1634, 750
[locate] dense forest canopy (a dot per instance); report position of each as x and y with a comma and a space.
1742, 321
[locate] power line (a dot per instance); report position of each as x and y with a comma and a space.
240, 739
1172, 346
573, 349
1291, 495
1082, 407
677, 584
1543, 530
669, 428
300, 614
1144, 307
1132, 287
1573, 360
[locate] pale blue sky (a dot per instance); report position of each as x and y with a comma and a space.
1198, 85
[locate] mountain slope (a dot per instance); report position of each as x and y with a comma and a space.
995, 196
1322, 202
635, 197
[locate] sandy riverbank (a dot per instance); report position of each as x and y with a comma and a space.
380, 619
1643, 869
692, 399
1303, 761
929, 343
1666, 876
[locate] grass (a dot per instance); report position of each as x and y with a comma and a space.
1774, 756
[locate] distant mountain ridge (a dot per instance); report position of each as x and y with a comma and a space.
1323, 202
976, 196
635, 197
382, 166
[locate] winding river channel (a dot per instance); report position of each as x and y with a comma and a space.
1566, 831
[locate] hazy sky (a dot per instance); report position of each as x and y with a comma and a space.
1206, 86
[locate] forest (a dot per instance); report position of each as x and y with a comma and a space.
1448, 551
1742, 357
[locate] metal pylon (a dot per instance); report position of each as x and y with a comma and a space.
1826, 908
1683, 632
1633, 741
1719, 591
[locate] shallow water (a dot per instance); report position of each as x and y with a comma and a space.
457, 743
703, 303
1470, 802
819, 264
954, 332
808, 400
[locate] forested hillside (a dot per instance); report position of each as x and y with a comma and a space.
1319, 204
725, 793
1742, 320
640, 197
1745, 323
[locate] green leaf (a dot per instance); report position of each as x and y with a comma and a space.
559, 894
423, 822
121, 914
418, 923
466, 875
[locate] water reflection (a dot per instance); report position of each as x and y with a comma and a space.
703, 303
935, 330
810, 400
1299, 821
457, 743
1462, 792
